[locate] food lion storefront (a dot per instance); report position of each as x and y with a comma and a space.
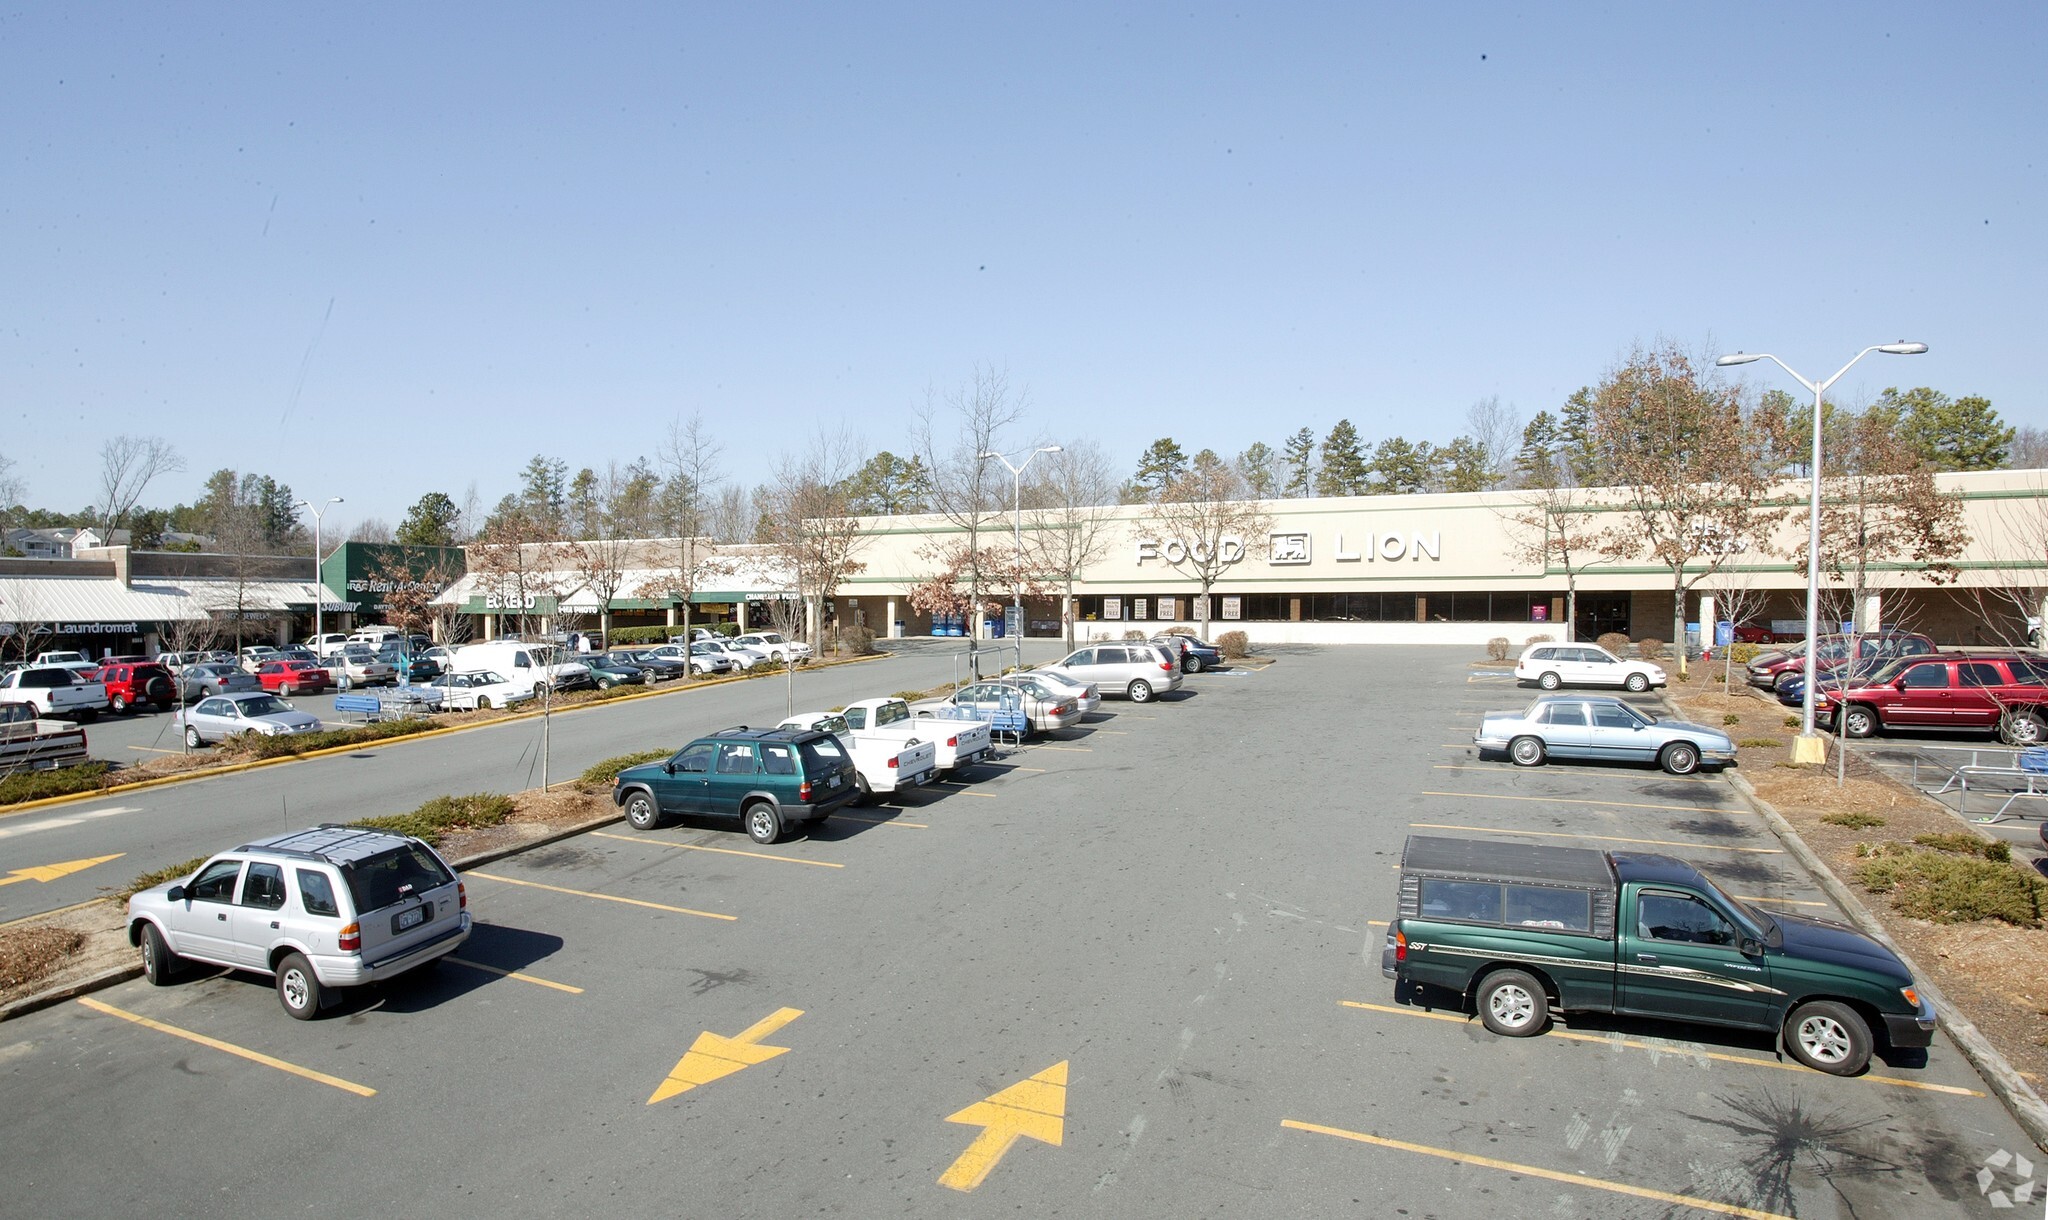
1452, 569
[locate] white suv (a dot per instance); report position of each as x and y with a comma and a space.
336, 906
1553, 665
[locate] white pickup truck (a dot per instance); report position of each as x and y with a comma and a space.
882, 762
962, 743
30, 743
56, 691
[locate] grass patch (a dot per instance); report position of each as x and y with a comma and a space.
1730, 718
1759, 743
602, 774
156, 877
908, 695
36, 785
257, 746
31, 951
443, 814
1854, 821
1792, 722
1963, 843
1942, 887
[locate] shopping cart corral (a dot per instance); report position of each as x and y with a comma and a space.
1998, 771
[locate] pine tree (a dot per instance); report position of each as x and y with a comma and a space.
1258, 466
1537, 463
1462, 465
430, 522
1158, 467
1951, 433
1343, 470
1298, 459
1400, 468
1578, 448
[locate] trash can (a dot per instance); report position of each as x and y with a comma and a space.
896, 632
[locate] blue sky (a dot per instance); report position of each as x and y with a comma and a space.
381, 250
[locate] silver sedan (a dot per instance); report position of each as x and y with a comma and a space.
223, 716
213, 678
1603, 727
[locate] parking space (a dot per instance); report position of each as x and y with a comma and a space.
1128, 970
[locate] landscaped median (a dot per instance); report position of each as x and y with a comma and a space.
1971, 919
97, 778
49, 958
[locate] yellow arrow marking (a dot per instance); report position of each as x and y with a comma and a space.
714, 1056
50, 872
1035, 1107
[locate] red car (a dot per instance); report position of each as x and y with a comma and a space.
129, 683
2003, 693
1766, 669
291, 677
1750, 633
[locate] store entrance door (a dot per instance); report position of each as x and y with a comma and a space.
1600, 615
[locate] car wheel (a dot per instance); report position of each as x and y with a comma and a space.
1859, 721
641, 812
117, 703
1828, 1037
298, 988
288, 690
1513, 1005
1549, 680
483, 703
1637, 683
1141, 691
1527, 751
764, 825
1680, 758
158, 962
860, 785
1194, 664
89, 716
2026, 729
208, 692
192, 737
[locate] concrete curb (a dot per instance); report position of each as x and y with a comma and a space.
121, 974
2004, 1080
182, 777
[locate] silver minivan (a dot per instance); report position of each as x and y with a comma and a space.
1132, 668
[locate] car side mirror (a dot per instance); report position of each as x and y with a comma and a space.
176, 893
668, 768
1751, 948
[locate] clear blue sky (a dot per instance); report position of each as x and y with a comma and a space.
381, 250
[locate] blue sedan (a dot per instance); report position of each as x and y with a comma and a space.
1603, 727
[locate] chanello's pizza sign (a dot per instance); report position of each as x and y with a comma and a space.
1294, 548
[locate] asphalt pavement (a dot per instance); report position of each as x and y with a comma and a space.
1130, 971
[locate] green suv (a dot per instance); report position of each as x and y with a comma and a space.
770, 779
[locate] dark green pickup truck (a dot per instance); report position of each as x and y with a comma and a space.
1519, 931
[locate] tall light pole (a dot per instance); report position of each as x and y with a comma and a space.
1807, 748
319, 585
1017, 502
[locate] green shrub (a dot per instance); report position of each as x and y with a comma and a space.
1944, 888
1730, 718
1792, 722
601, 774
1743, 654
1854, 821
156, 877
728, 630
1497, 648
1963, 843
1758, 743
35, 785
641, 635
445, 813
258, 746
1234, 645
1614, 642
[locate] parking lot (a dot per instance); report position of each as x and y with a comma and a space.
1128, 971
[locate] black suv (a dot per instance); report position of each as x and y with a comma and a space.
770, 779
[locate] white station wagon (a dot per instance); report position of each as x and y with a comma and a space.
1553, 665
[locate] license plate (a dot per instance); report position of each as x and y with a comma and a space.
832, 782
411, 919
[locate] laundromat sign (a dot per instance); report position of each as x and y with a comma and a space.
1295, 548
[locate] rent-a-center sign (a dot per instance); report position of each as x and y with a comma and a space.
1292, 548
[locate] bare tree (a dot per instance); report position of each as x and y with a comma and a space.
732, 515
1497, 430
2015, 607
1692, 471
811, 527
1559, 530
371, 529
517, 563
951, 437
128, 464
1071, 506
1208, 523
689, 456
1737, 600
413, 600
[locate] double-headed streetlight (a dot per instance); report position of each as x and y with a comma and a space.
319, 585
1017, 502
1807, 748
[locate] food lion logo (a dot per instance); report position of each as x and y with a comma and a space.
1999, 1165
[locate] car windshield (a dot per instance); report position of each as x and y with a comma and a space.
1889, 670
822, 754
393, 876
262, 705
1759, 925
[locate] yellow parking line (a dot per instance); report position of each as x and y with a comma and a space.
1558, 834
229, 1047
986, 796
723, 851
1586, 772
155, 750
637, 902
1670, 1049
513, 974
849, 817
1035, 770
1559, 800
1553, 1175
1071, 749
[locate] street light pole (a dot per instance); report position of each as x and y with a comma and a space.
1807, 747
319, 585
1017, 503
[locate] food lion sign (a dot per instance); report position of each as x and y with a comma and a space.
1295, 548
